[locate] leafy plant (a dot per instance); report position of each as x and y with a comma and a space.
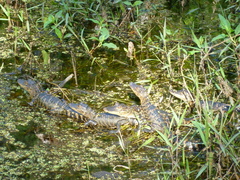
63, 19
7, 12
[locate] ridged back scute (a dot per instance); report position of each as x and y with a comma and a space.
83, 109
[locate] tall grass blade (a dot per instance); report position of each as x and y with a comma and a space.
165, 138
147, 142
25, 44
1, 67
6, 11
200, 128
196, 40
203, 168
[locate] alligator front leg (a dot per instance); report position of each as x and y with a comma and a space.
118, 125
91, 123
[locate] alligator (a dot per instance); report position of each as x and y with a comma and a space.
103, 119
50, 102
135, 110
187, 97
158, 119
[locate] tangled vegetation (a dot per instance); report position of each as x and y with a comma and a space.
107, 44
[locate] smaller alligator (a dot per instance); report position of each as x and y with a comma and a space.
124, 110
187, 97
103, 119
158, 119
135, 111
50, 102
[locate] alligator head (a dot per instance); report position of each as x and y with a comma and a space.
140, 91
30, 86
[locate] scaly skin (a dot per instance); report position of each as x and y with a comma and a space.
102, 119
48, 101
159, 119
84, 109
123, 110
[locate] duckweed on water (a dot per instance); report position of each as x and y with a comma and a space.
23, 155
70, 153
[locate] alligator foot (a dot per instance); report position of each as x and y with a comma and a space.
90, 123
114, 131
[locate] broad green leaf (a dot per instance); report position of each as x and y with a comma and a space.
220, 36
94, 20
94, 38
169, 32
237, 30
136, 3
66, 19
49, 20
127, 3
104, 34
58, 33
102, 38
224, 23
67, 35
110, 45
58, 14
